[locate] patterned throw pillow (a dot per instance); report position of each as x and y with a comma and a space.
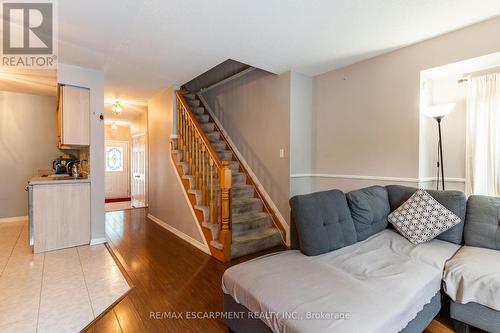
421, 218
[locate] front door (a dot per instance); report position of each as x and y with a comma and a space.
139, 170
117, 177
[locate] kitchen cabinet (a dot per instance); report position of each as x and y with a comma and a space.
59, 213
73, 116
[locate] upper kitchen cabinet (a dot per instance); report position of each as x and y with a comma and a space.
73, 116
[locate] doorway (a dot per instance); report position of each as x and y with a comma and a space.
139, 154
126, 155
117, 177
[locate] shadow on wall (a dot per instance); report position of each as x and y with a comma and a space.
250, 155
254, 110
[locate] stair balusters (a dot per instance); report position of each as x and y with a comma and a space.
225, 188
211, 176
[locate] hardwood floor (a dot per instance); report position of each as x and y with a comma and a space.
168, 274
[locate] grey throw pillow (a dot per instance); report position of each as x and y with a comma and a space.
421, 218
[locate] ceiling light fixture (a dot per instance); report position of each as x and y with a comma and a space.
117, 108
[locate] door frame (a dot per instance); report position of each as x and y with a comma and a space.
146, 167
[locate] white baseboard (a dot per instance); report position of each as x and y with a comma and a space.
13, 219
181, 235
96, 241
266, 195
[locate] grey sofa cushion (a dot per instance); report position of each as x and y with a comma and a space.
482, 223
323, 222
455, 201
369, 209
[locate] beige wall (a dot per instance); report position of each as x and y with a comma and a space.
301, 147
254, 109
167, 201
28, 138
139, 124
366, 116
301, 94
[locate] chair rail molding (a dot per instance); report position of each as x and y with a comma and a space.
380, 178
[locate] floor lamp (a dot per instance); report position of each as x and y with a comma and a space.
438, 112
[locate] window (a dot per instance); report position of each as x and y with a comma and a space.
114, 159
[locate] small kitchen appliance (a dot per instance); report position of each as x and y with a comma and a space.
74, 168
60, 164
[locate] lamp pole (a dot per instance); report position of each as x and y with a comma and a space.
440, 151
438, 112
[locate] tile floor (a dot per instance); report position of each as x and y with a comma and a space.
58, 291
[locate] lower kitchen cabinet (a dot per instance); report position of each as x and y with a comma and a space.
59, 215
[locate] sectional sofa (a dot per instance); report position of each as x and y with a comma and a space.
348, 270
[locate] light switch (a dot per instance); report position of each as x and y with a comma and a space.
282, 153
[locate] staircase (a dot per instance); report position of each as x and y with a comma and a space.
235, 218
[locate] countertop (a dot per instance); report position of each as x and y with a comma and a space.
60, 179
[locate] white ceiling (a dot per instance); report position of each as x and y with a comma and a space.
144, 46
130, 115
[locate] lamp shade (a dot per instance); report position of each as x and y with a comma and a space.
439, 110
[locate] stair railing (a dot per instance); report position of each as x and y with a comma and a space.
212, 175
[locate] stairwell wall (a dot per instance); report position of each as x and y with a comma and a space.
167, 201
254, 109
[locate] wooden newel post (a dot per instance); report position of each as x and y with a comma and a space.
225, 227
